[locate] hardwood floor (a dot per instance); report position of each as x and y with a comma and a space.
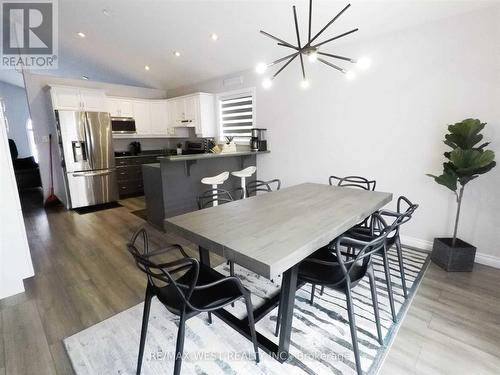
84, 274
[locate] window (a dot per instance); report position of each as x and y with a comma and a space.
31, 139
237, 115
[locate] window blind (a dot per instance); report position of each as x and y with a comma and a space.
237, 117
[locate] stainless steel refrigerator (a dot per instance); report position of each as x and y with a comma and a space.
88, 158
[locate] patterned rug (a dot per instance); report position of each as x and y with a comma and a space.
320, 342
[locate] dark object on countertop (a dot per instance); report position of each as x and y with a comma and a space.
51, 200
135, 148
26, 169
257, 141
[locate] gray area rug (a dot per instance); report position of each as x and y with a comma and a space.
321, 341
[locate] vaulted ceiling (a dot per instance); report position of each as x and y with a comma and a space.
122, 36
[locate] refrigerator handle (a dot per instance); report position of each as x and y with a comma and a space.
88, 142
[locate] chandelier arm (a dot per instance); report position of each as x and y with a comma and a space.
337, 57
296, 26
285, 65
302, 65
336, 37
331, 65
283, 59
328, 24
277, 39
310, 18
288, 46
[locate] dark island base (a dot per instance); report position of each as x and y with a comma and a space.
171, 186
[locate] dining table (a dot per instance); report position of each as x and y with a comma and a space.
270, 234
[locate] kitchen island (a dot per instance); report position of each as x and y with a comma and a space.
172, 185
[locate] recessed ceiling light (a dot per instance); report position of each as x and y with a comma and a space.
85, 78
81, 35
146, 67
214, 36
177, 53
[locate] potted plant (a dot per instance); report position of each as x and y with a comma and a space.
465, 162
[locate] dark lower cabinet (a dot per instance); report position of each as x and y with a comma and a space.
129, 174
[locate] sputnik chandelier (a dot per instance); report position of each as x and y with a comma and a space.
310, 50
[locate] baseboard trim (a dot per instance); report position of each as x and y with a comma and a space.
420, 244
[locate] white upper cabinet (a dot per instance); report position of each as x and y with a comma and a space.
142, 117
120, 107
159, 117
78, 99
196, 111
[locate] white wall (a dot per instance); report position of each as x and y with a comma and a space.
389, 123
16, 110
15, 260
44, 121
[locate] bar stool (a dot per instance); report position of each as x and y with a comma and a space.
243, 174
214, 181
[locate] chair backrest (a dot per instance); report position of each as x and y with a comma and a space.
365, 249
400, 217
208, 198
160, 275
266, 186
410, 207
353, 181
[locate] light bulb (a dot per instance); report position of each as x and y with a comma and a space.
305, 83
267, 83
214, 36
313, 56
177, 53
146, 67
364, 63
261, 68
350, 75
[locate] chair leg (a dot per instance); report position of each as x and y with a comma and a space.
389, 283
243, 181
209, 318
215, 197
179, 347
251, 324
401, 266
313, 290
278, 321
352, 325
322, 290
373, 289
144, 329
231, 273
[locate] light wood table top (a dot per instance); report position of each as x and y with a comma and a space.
271, 232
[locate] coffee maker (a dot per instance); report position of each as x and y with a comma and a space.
257, 142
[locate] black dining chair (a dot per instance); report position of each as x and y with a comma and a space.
198, 289
353, 181
404, 213
334, 267
266, 186
221, 196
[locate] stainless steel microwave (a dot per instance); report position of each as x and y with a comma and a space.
123, 125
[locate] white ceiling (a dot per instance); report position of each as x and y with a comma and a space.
137, 33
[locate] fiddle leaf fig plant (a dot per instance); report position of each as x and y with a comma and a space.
466, 161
